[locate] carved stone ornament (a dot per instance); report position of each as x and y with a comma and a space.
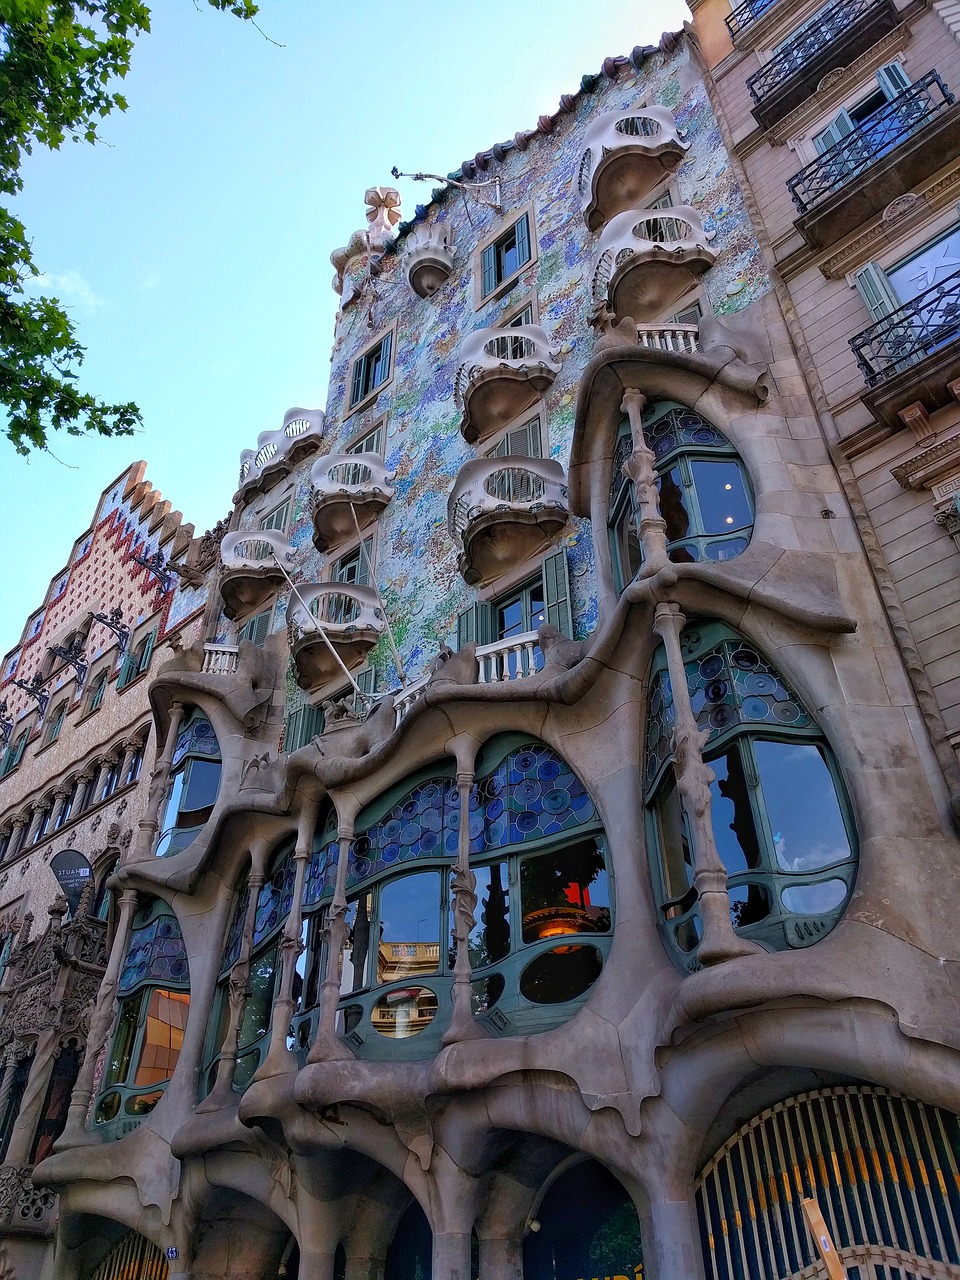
428, 259
383, 214
900, 207
831, 78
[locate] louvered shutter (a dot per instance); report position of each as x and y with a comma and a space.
147, 652
293, 733
383, 363
523, 240
488, 263
556, 591
475, 624
127, 671
893, 79
876, 291
356, 385
838, 129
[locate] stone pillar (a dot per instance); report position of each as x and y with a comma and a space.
315, 1265
41, 810
130, 748
501, 1258
363, 1267
159, 784
463, 1025
651, 527
19, 825
327, 1045
672, 1249
61, 796
6, 1076
451, 1256
101, 1023
694, 777
103, 765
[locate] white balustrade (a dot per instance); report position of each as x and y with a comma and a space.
409, 696
505, 486
672, 337
522, 348
349, 473
650, 140
642, 235
340, 607
220, 659
514, 658
250, 548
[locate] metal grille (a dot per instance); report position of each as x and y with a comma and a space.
883, 1168
894, 122
744, 14
911, 332
134, 1258
832, 22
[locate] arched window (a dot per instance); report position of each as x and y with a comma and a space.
195, 781
55, 723
543, 912
780, 820
703, 489
66, 1068
154, 992
410, 1253
273, 907
587, 1226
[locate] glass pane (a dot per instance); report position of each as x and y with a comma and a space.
119, 1064
404, 1013
510, 619
485, 992
674, 849
813, 899
672, 504
802, 805
626, 544
171, 809
163, 1036
565, 892
202, 784
536, 615
256, 1010
353, 958
490, 937
409, 927
561, 974
749, 903
734, 828
721, 495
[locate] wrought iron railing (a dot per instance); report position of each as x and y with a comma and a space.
913, 331
832, 22
895, 121
745, 14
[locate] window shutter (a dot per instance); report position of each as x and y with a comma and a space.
386, 348
488, 262
893, 79
475, 624
147, 652
556, 591
127, 670
293, 733
876, 291
523, 240
356, 385
366, 680
312, 723
838, 129
363, 563
257, 629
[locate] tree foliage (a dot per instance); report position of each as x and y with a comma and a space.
60, 64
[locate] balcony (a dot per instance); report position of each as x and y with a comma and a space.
251, 570
514, 658
648, 259
683, 338
626, 153
220, 659
347, 485
502, 510
332, 623
745, 15
912, 355
277, 452
502, 373
842, 32
889, 154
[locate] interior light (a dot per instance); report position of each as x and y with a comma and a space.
728, 486
729, 520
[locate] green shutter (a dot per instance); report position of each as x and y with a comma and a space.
127, 671
366, 680
356, 385
488, 262
876, 291
893, 79
556, 591
303, 725
365, 553
386, 347
257, 629
523, 240
838, 129
476, 624
147, 652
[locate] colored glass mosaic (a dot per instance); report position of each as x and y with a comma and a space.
156, 954
235, 936
321, 874
275, 899
196, 738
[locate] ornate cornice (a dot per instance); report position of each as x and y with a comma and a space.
925, 468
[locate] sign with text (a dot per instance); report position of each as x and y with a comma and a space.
73, 874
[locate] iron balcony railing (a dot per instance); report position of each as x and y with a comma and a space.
895, 121
745, 14
917, 329
831, 23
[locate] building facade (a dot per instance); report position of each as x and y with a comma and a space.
77, 748
548, 864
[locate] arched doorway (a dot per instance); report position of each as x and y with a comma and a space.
410, 1256
132, 1258
585, 1228
884, 1170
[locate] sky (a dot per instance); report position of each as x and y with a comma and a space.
191, 246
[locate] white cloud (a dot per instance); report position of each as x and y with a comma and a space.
68, 286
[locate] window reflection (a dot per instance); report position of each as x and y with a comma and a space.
565, 892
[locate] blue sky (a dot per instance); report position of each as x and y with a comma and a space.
192, 247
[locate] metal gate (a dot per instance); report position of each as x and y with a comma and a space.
884, 1169
134, 1258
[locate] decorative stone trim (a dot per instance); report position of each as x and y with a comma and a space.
935, 463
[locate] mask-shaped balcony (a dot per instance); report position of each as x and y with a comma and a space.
626, 153
502, 510
502, 373
250, 573
648, 259
344, 485
334, 618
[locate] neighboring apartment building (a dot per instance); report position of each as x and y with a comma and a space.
77, 752
547, 869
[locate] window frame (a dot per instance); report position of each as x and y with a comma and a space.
257, 628
137, 659
169, 825
361, 362
366, 561
14, 752
376, 432
492, 239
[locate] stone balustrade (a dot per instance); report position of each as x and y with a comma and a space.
502, 372
330, 621
220, 659
502, 510
513, 658
344, 485
684, 338
625, 155
649, 258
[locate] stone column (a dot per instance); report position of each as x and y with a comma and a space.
315, 1265
40, 811
673, 1240
17, 840
451, 1256
6, 1076
238, 990
694, 777
327, 1045
130, 748
279, 1058
463, 1025
103, 765
501, 1258
363, 1267
651, 527
101, 1023
159, 783
60, 797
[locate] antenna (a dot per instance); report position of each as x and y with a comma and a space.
471, 188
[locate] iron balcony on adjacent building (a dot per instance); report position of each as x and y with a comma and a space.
838, 35
895, 149
912, 355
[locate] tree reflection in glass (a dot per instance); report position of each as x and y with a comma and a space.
564, 892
